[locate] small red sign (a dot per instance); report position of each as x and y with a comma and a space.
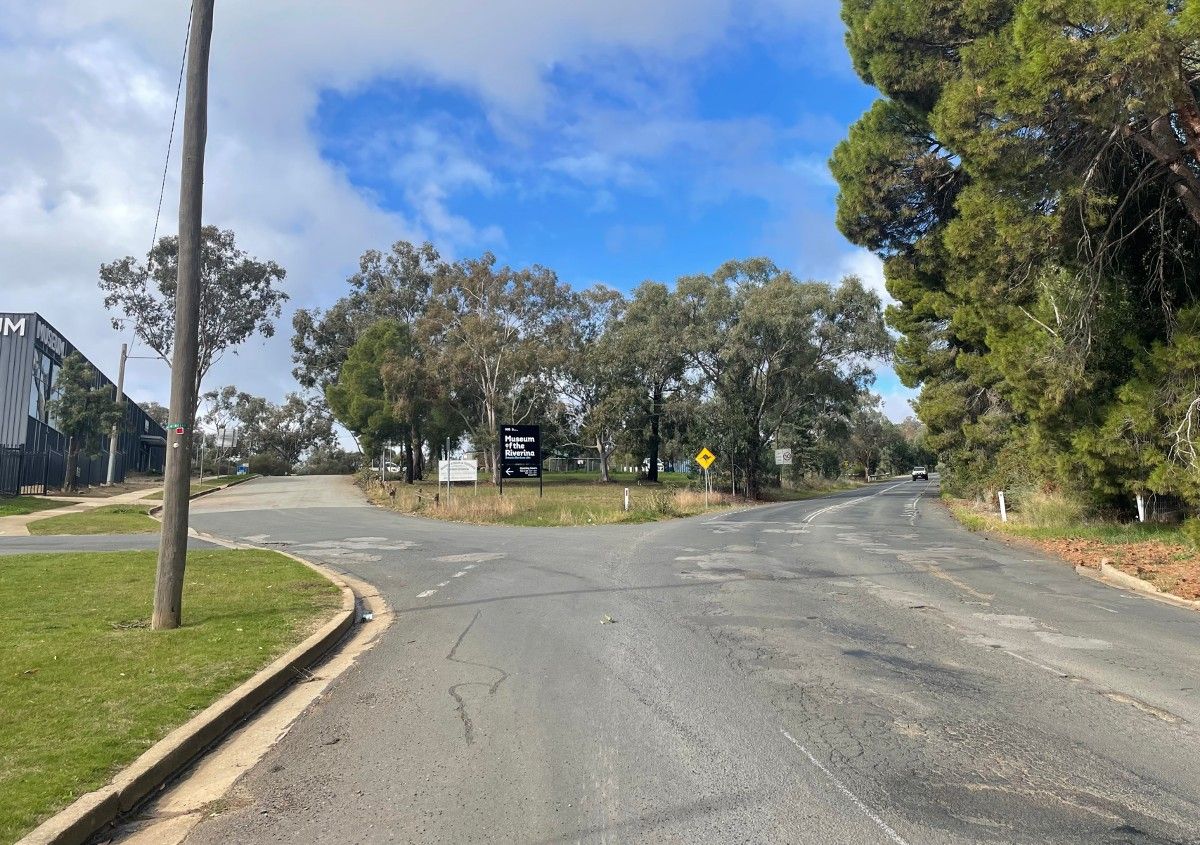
179, 430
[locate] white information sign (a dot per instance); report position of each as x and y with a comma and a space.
458, 470
783, 457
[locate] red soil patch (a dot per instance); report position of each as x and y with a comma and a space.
1172, 568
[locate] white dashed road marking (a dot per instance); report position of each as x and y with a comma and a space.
845, 790
426, 594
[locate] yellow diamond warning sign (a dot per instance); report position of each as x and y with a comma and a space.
705, 458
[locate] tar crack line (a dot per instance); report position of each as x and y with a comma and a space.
459, 705
845, 790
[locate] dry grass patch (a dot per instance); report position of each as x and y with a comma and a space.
568, 499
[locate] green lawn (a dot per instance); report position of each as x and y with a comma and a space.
21, 505
132, 518
812, 490
209, 484
85, 686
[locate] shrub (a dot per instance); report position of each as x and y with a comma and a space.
663, 502
1047, 510
268, 464
1190, 529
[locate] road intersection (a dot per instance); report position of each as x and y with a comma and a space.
850, 669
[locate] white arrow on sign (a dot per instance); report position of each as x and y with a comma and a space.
508, 471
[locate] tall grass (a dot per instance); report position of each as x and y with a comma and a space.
1053, 516
1048, 510
561, 504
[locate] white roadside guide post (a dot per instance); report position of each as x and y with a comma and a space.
1141, 505
1003, 508
626, 498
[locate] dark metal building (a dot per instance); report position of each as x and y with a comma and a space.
31, 356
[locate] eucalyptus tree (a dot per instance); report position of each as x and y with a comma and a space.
770, 346
285, 431
240, 296
393, 285
592, 379
494, 327
648, 343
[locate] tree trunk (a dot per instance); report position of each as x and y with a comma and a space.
418, 453
655, 423
72, 464
409, 469
600, 450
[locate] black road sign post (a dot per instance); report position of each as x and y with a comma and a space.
520, 453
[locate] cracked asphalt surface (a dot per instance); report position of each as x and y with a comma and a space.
855, 669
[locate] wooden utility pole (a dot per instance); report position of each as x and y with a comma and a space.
172, 549
114, 437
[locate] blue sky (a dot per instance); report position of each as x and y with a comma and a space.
612, 140
632, 170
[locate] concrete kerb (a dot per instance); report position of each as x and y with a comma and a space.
1109, 575
157, 509
91, 813
1103, 573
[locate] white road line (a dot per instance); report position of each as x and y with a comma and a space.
458, 574
912, 519
849, 502
426, 594
1042, 666
469, 566
444, 583
845, 790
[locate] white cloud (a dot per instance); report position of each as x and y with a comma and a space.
89, 93
896, 405
867, 266
90, 88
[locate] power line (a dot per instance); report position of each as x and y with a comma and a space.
171, 138
162, 188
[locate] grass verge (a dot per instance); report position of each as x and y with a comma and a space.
86, 687
812, 489
208, 484
569, 499
22, 505
1155, 552
132, 518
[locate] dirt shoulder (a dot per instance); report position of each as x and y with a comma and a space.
1158, 554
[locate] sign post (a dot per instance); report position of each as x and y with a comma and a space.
705, 458
520, 454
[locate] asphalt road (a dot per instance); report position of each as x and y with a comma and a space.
87, 543
855, 669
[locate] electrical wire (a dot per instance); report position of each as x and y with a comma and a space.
171, 138
162, 188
